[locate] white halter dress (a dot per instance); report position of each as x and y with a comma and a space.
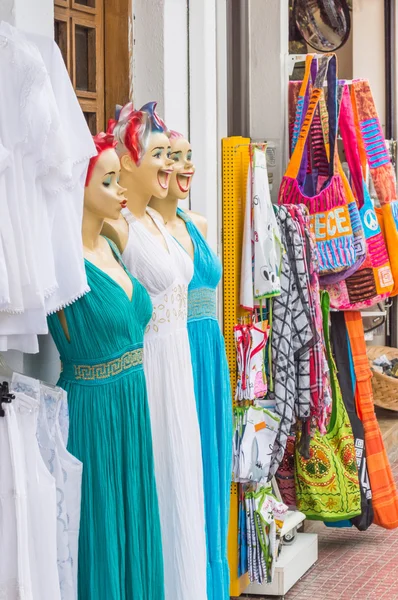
175, 428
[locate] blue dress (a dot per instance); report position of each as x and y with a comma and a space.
214, 404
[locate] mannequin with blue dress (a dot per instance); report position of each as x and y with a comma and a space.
209, 362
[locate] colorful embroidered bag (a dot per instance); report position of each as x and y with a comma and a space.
328, 208
327, 485
373, 281
374, 150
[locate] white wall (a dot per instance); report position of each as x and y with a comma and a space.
180, 60
268, 77
368, 48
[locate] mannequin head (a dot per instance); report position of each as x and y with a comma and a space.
144, 150
183, 167
103, 196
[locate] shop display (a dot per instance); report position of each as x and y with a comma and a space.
165, 269
100, 341
170, 462
45, 148
210, 369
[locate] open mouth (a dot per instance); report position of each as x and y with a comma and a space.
163, 178
184, 181
123, 203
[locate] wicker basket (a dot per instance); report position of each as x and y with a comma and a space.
385, 388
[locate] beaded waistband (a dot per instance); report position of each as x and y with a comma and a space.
101, 372
202, 304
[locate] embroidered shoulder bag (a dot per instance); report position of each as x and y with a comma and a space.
328, 208
373, 281
374, 151
327, 485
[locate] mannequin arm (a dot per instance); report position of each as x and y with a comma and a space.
117, 231
64, 324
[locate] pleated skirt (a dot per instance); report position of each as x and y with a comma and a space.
214, 406
120, 550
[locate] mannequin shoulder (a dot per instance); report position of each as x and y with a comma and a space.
199, 220
117, 231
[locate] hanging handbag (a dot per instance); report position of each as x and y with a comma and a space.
373, 281
374, 151
285, 474
342, 355
384, 491
328, 208
327, 485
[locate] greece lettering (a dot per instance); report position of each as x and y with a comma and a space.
331, 224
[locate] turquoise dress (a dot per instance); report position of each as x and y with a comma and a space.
214, 405
120, 553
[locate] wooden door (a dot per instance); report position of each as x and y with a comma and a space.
95, 40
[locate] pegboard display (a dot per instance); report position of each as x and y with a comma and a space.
235, 163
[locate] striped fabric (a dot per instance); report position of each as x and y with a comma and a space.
384, 492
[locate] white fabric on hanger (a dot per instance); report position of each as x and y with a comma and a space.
257, 443
15, 577
68, 201
262, 247
45, 149
54, 399
41, 500
50, 455
174, 421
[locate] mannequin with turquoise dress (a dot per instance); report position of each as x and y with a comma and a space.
100, 341
210, 368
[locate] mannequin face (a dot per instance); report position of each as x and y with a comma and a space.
184, 169
152, 175
104, 196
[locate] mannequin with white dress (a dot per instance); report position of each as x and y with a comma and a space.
156, 259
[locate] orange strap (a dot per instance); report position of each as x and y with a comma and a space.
384, 492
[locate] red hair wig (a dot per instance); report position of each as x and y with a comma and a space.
103, 141
132, 129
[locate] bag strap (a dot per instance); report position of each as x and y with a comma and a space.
348, 133
303, 97
373, 142
327, 69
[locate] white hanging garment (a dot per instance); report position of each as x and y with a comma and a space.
54, 400
15, 577
66, 202
46, 147
42, 520
266, 236
262, 248
257, 443
49, 452
246, 272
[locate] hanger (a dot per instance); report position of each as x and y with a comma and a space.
5, 397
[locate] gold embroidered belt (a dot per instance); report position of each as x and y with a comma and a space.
101, 372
